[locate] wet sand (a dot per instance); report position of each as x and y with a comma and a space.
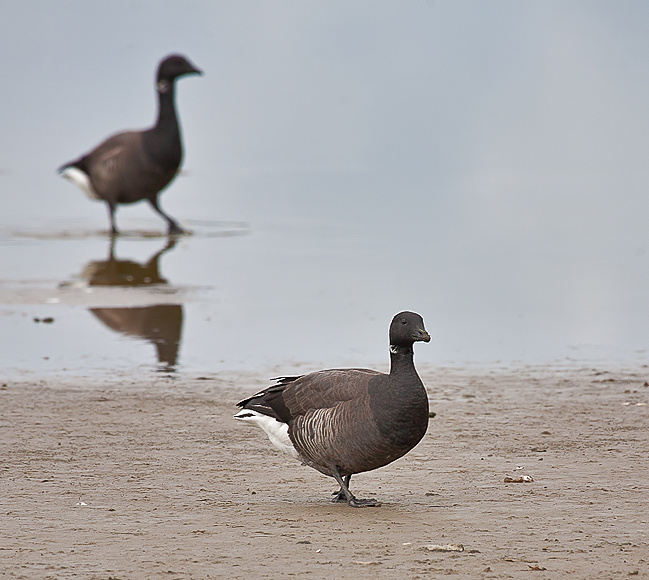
152, 478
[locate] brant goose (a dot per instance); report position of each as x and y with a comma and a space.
136, 165
346, 421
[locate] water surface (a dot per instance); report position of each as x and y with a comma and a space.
287, 295
481, 164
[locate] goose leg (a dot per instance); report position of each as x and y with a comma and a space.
174, 228
111, 216
339, 496
351, 500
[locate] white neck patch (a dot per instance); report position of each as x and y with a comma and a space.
164, 86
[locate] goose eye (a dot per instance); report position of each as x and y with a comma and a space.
404, 321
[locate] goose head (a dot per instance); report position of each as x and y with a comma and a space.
174, 66
407, 328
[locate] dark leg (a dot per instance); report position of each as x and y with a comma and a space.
351, 500
339, 496
111, 215
174, 228
111, 249
152, 262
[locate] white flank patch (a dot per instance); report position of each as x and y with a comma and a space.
81, 180
276, 430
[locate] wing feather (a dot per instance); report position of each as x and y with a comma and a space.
329, 418
326, 389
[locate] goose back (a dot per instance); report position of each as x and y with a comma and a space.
122, 170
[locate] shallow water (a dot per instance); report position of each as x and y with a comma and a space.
291, 297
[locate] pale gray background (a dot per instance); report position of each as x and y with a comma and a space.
481, 162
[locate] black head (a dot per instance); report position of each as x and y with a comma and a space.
174, 66
407, 328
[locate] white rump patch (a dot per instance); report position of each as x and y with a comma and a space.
276, 430
81, 180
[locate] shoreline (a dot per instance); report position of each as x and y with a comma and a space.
152, 478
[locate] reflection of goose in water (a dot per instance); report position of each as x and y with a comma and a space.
160, 324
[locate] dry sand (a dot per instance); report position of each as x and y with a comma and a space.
152, 478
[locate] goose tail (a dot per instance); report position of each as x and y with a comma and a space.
277, 431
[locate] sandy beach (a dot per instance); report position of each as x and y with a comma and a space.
482, 164
152, 478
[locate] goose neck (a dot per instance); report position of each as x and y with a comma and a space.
167, 119
401, 360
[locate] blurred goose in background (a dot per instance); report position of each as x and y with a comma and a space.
137, 165
346, 421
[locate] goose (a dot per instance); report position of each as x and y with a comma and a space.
347, 421
136, 165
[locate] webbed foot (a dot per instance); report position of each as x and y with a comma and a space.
359, 503
345, 495
175, 230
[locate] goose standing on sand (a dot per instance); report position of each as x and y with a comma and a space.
346, 421
136, 165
